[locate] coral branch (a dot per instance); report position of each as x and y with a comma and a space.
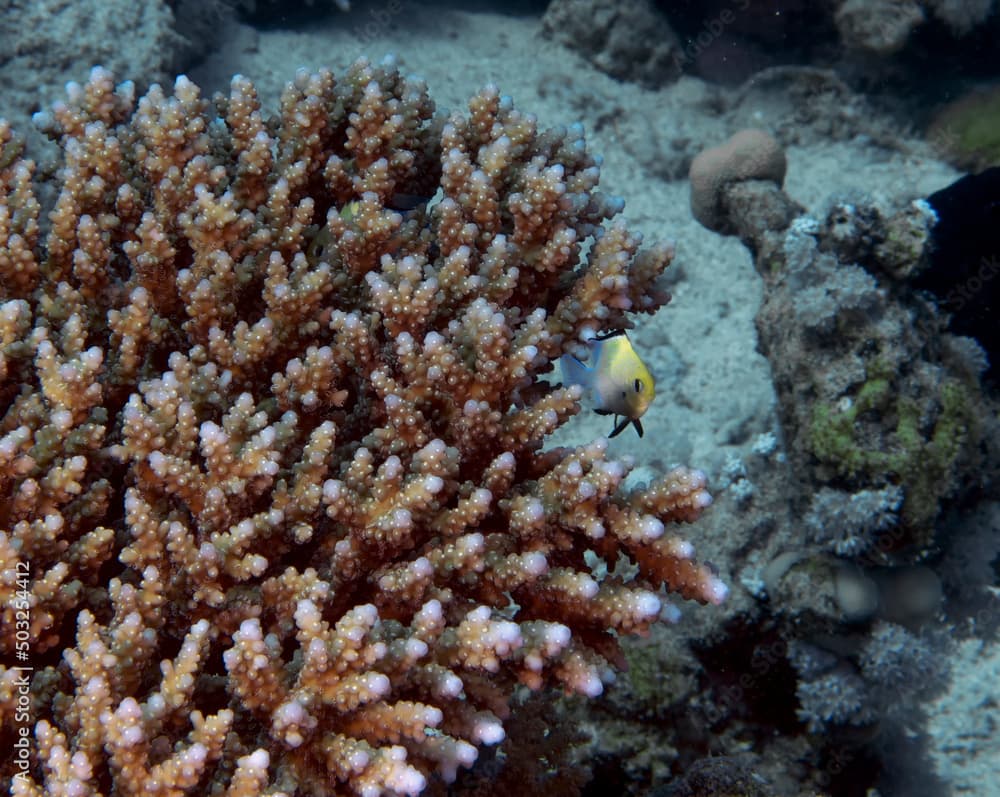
271, 448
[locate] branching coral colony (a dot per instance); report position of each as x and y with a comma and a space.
277, 515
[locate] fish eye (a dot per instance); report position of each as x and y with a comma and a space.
638, 385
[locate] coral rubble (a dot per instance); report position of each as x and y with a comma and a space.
276, 515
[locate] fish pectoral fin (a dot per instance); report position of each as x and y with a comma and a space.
575, 372
603, 412
619, 426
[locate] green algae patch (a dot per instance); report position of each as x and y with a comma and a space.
967, 131
876, 438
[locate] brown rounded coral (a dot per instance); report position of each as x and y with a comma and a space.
749, 154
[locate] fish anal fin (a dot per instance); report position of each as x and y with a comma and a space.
619, 427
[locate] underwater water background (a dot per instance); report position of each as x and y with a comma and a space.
828, 357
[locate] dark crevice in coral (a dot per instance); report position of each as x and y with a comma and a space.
748, 672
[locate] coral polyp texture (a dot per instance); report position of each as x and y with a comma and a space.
277, 516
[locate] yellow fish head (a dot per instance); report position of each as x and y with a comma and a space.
641, 392
629, 387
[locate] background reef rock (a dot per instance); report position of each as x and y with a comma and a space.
44, 45
48, 43
628, 40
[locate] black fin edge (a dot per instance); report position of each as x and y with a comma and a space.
619, 427
622, 425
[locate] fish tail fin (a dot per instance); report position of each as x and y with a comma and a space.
575, 372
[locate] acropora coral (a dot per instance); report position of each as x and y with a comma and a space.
279, 519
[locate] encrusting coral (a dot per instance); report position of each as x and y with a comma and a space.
284, 510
